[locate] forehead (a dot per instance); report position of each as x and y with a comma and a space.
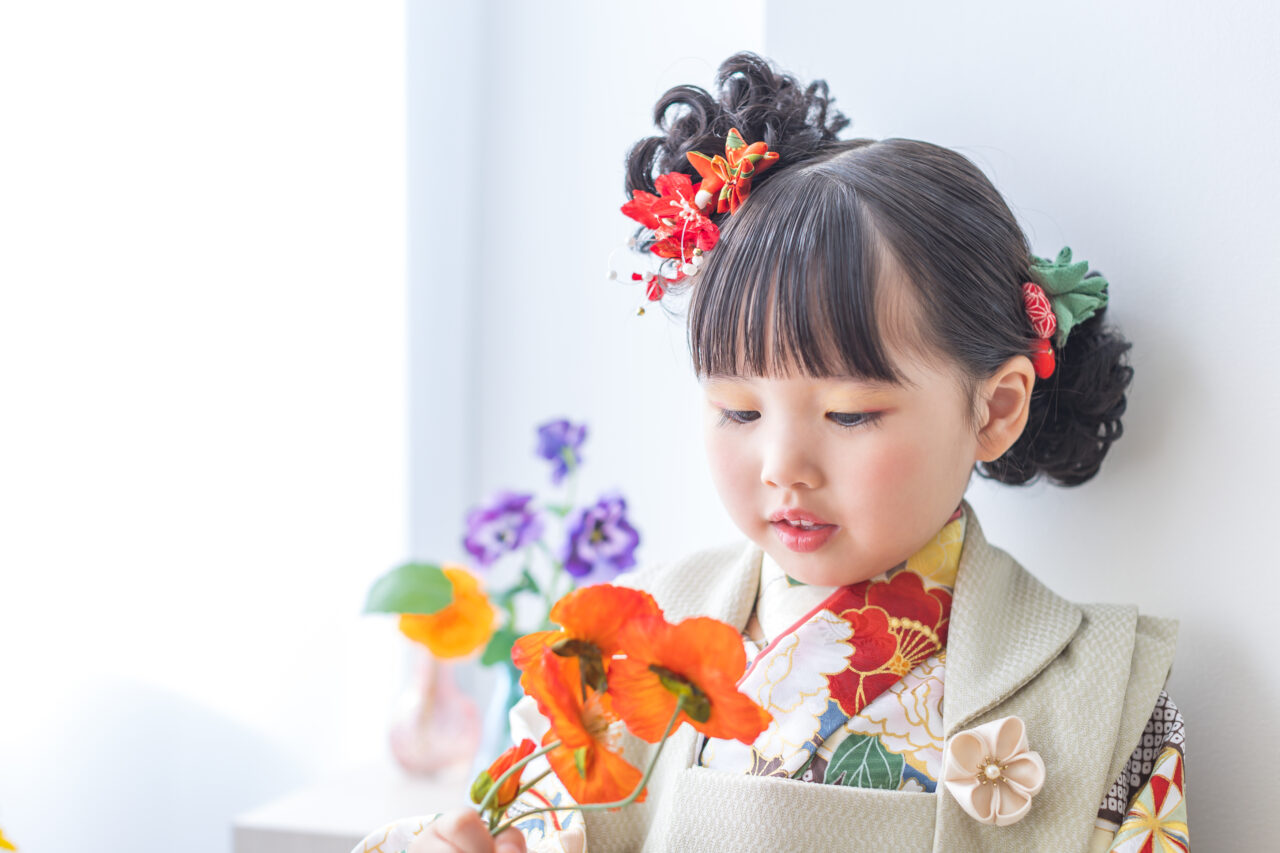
789, 356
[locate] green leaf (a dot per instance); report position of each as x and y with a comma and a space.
411, 588
499, 648
863, 762
560, 510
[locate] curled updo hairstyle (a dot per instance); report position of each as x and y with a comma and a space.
798, 265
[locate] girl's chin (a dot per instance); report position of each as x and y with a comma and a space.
813, 571
809, 572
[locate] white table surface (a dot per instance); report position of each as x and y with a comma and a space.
332, 816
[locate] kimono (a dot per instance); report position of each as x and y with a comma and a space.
1086, 680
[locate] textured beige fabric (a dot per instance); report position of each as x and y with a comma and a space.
1083, 677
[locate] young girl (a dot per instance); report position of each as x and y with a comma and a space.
870, 325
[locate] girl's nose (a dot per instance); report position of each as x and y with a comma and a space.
789, 464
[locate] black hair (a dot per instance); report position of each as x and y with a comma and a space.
797, 265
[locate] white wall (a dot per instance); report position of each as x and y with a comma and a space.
516, 309
1142, 135
202, 434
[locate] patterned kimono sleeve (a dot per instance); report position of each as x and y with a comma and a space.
1146, 808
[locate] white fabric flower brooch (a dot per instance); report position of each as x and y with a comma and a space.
991, 772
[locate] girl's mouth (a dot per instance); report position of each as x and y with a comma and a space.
803, 536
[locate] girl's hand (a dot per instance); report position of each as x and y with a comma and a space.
464, 832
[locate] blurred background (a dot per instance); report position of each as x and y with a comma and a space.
285, 288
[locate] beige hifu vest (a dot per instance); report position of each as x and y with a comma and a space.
1084, 678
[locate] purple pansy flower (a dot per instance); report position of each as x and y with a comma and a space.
602, 542
506, 524
557, 437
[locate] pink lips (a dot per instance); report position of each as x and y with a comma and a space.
795, 514
797, 538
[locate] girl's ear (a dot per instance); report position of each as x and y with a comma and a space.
1005, 402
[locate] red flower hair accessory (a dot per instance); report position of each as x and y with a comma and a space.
677, 220
1045, 323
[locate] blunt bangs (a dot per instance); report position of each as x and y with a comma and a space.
792, 286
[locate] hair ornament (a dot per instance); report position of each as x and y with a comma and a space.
1061, 296
1074, 295
1044, 323
677, 226
728, 178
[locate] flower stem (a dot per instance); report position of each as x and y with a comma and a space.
496, 816
487, 802
535, 780
549, 592
571, 464
617, 804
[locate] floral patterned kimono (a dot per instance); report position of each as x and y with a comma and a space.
855, 678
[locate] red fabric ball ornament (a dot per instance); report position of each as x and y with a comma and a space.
1043, 320
1043, 359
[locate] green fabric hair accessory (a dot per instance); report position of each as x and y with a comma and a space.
1074, 298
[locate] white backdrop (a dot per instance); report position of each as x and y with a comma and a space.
202, 409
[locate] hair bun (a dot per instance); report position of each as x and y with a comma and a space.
763, 103
1075, 414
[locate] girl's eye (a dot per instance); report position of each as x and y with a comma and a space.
854, 419
738, 417
844, 419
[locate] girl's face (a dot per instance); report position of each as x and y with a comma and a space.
880, 467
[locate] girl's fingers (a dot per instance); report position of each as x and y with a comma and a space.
457, 832
511, 841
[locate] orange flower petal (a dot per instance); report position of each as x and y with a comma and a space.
507, 792
608, 776
604, 614
583, 729
554, 684
709, 655
527, 650
461, 627
640, 699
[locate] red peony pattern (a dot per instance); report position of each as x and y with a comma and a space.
897, 624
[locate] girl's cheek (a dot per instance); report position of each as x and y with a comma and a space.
891, 469
728, 461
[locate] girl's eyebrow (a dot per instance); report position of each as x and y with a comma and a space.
870, 384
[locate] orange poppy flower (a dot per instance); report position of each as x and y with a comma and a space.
586, 761
507, 793
462, 626
597, 622
700, 659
